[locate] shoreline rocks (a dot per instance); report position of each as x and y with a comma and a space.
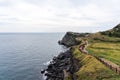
55, 70
64, 63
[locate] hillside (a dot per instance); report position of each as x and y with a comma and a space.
115, 32
74, 38
102, 45
107, 50
92, 69
98, 64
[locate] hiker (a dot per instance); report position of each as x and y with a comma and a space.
83, 46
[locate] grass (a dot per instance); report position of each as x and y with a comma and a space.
107, 50
91, 68
68, 78
99, 37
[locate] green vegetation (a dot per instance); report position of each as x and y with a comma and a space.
107, 50
91, 68
96, 37
105, 45
68, 78
113, 32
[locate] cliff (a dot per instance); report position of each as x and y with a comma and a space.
70, 38
74, 65
73, 38
61, 67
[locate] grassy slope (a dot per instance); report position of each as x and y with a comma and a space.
107, 50
101, 46
91, 68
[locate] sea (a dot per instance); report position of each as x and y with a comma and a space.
24, 55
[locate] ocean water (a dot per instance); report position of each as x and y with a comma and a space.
22, 56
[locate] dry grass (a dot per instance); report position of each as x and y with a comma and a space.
91, 68
107, 50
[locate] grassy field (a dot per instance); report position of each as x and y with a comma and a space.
91, 68
107, 50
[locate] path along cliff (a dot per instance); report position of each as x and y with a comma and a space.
74, 65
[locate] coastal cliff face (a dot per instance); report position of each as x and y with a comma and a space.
70, 38
74, 65
62, 67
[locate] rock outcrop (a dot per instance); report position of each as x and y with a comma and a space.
65, 64
70, 38
61, 66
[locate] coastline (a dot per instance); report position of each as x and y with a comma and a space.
57, 65
74, 65
64, 65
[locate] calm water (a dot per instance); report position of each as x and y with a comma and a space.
22, 55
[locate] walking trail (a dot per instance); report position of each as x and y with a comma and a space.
107, 63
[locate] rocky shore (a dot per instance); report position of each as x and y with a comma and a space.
60, 67
64, 65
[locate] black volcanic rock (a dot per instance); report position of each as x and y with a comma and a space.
64, 61
70, 38
56, 67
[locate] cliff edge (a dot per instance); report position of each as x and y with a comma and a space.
70, 39
75, 65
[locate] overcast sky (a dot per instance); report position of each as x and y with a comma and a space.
58, 15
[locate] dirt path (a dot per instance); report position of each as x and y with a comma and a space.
110, 64
107, 63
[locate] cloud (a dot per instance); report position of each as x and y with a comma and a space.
57, 15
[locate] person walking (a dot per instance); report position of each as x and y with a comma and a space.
83, 46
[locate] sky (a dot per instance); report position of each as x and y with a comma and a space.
58, 15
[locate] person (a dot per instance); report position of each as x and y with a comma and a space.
83, 46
